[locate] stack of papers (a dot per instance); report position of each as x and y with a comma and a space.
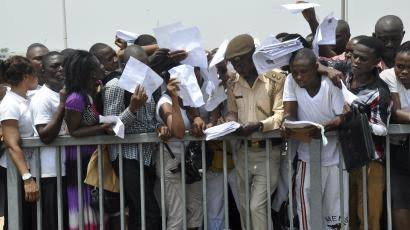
118, 128
274, 54
299, 7
221, 130
177, 37
190, 93
137, 73
302, 126
126, 35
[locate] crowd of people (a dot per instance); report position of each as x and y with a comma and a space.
51, 93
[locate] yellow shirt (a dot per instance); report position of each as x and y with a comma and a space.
260, 103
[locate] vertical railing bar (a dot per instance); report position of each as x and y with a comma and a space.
268, 182
161, 162
14, 196
142, 186
290, 184
225, 168
204, 194
364, 190
38, 178
247, 199
183, 185
388, 183
59, 189
101, 187
315, 184
80, 189
341, 190
121, 172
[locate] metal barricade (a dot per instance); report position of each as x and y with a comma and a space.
15, 221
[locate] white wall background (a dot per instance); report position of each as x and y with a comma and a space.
23, 22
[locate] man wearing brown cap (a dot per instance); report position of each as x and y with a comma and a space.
255, 101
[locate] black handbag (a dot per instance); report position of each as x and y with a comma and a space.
400, 157
111, 201
193, 162
356, 138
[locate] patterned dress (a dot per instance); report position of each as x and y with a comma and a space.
77, 102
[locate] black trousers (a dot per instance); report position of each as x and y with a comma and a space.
131, 172
49, 204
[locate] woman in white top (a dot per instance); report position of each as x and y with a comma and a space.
398, 79
171, 113
16, 121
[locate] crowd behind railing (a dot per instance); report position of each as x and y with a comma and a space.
339, 98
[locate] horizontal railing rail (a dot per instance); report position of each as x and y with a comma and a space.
14, 196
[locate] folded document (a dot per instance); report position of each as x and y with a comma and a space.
221, 130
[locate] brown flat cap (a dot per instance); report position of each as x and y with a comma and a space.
239, 45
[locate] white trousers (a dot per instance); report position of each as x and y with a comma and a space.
330, 196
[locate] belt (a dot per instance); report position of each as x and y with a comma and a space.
262, 144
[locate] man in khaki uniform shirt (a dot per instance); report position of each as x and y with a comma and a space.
255, 101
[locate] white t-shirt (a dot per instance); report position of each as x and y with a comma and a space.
176, 147
323, 107
16, 107
43, 105
395, 86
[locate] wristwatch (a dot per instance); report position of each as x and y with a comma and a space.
26, 176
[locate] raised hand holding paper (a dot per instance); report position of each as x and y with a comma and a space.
126, 35
137, 73
220, 54
299, 7
190, 92
326, 31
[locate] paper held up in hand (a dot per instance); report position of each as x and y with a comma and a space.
274, 54
126, 35
220, 54
301, 130
216, 98
177, 37
190, 92
299, 7
221, 130
325, 33
118, 128
137, 73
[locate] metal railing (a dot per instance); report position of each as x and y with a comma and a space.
15, 221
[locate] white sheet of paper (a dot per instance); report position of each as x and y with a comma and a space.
216, 98
189, 39
221, 130
118, 128
163, 34
137, 73
196, 57
126, 35
190, 92
326, 31
274, 54
220, 54
348, 96
299, 7
302, 124
211, 78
